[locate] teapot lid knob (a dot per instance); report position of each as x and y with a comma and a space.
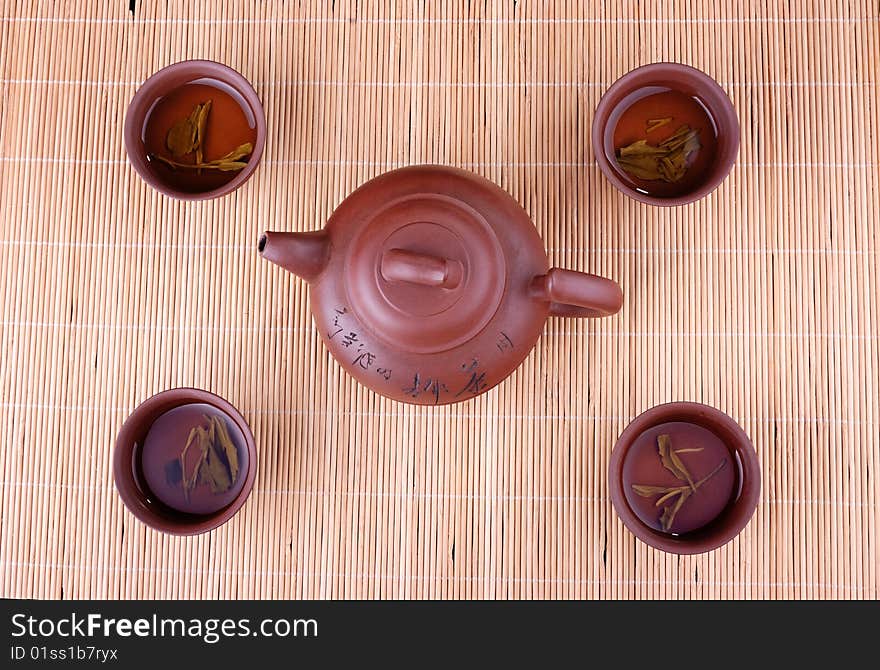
402, 265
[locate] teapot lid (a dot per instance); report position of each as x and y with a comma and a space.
426, 272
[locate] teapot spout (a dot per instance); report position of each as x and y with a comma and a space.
303, 254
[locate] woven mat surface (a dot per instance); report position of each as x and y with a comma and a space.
762, 300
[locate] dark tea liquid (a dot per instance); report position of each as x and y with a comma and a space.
164, 473
643, 467
231, 123
628, 124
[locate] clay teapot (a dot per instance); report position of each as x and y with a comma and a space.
430, 285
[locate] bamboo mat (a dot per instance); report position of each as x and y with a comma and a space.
761, 300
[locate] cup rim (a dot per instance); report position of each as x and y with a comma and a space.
147, 93
717, 100
136, 425
732, 521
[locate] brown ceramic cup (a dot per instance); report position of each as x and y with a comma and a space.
684, 79
738, 512
161, 84
133, 490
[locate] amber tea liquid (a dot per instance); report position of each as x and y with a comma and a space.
703, 454
231, 123
162, 469
628, 124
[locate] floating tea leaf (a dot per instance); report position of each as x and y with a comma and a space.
187, 136
217, 464
229, 451
185, 484
671, 461
668, 160
653, 124
673, 492
201, 122
670, 511
714, 472
195, 479
181, 138
214, 471
193, 434
227, 163
648, 491
673, 497
231, 166
221, 119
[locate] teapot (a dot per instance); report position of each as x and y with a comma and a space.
430, 284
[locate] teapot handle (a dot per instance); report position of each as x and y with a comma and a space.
578, 294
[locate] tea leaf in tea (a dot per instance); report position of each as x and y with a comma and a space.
214, 471
672, 492
228, 166
640, 149
670, 511
187, 136
229, 451
668, 160
670, 460
718, 468
217, 465
648, 491
653, 124
239, 152
227, 163
201, 123
181, 138
189, 482
190, 440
